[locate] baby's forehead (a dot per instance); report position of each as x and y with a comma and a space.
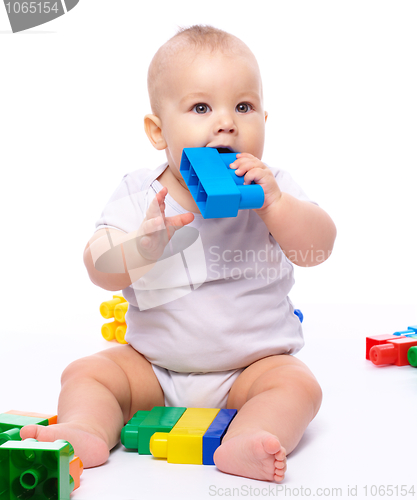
189, 59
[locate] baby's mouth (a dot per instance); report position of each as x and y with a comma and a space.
224, 150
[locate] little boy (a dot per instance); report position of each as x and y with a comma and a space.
201, 344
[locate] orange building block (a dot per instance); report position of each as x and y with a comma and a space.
76, 469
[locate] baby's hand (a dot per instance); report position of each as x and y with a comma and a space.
254, 170
157, 229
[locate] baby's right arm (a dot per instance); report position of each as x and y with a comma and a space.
115, 259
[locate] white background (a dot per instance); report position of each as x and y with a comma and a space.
340, 83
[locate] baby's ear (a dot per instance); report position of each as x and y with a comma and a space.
266, 115
153, 129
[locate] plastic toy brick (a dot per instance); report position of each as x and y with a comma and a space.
377, 340
412, 356
52, 419
107, 307
10, 435
393, 352
120, 312
12, 421
75, 470
214, 434
114, 330
299, 314
137, 433
184, 444
215, 187
115, 308
31, 469
405, 333
15, 419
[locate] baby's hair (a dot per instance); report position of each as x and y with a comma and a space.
207, 37
199, 37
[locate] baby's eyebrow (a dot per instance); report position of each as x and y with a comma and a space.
193, 96
250, 94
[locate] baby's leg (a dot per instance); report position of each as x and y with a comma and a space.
99, 394
277, 397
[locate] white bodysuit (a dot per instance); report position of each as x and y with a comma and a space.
215, 302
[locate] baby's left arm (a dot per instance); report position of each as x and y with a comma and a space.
304, 231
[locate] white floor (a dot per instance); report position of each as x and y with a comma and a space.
364, 437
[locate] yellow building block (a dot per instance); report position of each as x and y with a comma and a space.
108, 330
120, 311
120, 333
117, 309
107, 307
184, 444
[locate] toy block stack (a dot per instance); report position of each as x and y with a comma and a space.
181, 435
115, 308
32, 469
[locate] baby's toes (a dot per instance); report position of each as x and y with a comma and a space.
280, 469
281, 456
280, 465
31, 431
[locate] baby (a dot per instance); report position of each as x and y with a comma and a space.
227, 339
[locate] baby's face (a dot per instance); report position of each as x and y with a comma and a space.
212, 100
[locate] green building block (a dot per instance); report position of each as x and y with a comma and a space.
10, 425
137, 433
35, 470
10, 435
9, 421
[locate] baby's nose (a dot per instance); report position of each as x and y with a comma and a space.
226, 124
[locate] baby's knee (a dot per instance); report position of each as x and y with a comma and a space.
296, 380
301, 378
81, 368
313, 389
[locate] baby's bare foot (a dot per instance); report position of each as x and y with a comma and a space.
91, 448
253, 454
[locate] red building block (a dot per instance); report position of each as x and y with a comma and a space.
394, 352
378, 340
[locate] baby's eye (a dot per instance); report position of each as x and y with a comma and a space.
244, 107
201, 108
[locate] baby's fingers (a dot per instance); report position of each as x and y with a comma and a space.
179, 221
157, 205
149, 226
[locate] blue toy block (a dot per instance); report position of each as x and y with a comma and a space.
215, 187
214, 434
405, 333
413, 328
299, 314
